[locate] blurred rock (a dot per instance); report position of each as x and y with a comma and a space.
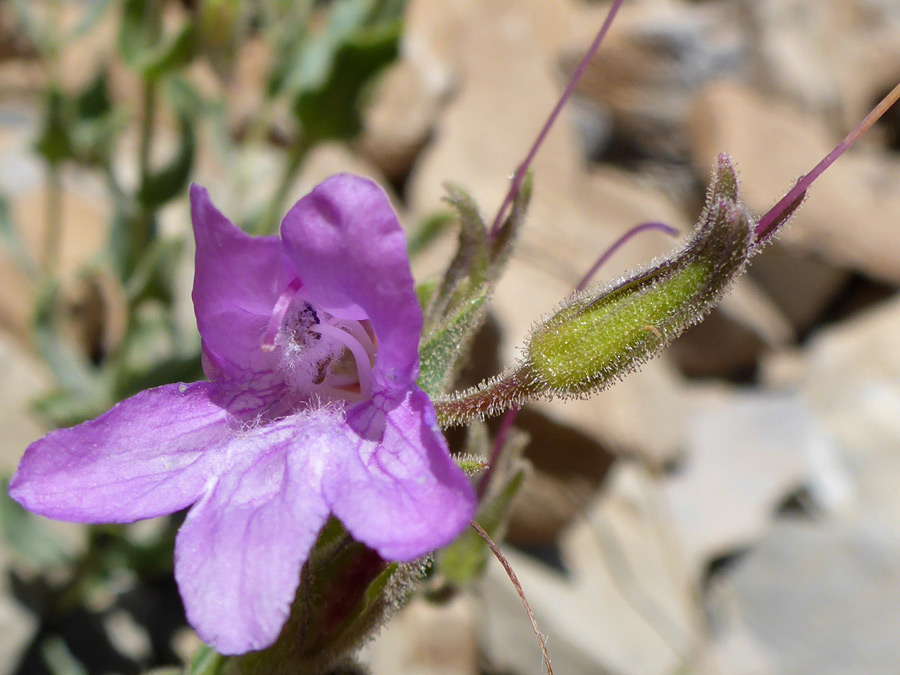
569, 466
648, 72
820, 594
427, 639
802, 286
717, 347
399, 120
852, 214
23, 380
821, 597
828, 56
590, 626
328, 159
743, 458
18, 627
83, 218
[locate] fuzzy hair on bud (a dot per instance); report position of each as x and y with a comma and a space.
604, 333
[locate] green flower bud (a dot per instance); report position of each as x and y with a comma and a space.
604, 333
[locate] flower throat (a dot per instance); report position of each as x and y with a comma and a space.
317, 353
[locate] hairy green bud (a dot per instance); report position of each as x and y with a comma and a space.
604, 333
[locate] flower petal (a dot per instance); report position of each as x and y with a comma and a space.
239, 553
237, 280
403, 496
148, 456
346, 242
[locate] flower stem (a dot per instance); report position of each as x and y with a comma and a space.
497, 450
778, 213
522, 171
489, 398
143, 223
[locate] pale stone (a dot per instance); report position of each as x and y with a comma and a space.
427, 638
589, 626
851, 216
398, 121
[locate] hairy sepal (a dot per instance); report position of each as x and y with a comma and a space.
442, 352
456, 307
604, 333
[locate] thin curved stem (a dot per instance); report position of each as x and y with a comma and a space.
521, 172
661, 227
498, 554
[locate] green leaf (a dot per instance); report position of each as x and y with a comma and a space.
463, 561
428, 231
207, 662
471, 260
471, 465
444, 348
219, 25
137, 21
58, 659
178, 52
94, 101
171, 180
502, 245
425, 291
467, 273
178, 368
67, 407
148, 344
336, 69
154, 271
142, 47
97, 123
53, 142
80, 387
90, 17
26, 534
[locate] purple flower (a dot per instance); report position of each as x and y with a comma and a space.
310, 341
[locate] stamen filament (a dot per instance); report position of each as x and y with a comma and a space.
267, 344
360, 355
360, 333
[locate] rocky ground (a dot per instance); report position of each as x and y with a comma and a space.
735, 506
